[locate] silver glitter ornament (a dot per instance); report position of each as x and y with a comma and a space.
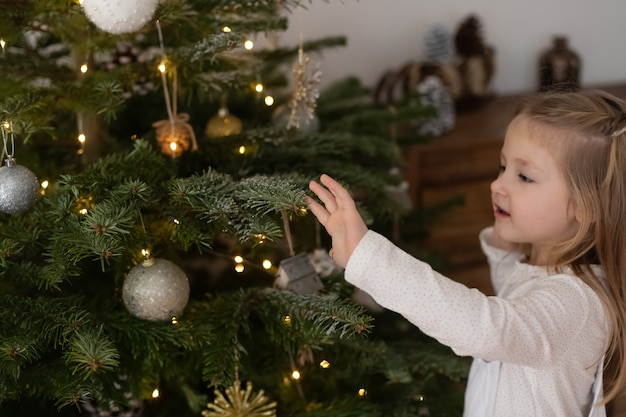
156, 290
18, 187
119, 16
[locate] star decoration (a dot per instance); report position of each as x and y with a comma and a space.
240, 403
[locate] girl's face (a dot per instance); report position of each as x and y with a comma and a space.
531, 200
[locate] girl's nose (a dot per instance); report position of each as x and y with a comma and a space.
497, 186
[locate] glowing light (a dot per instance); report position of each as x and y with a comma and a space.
287, 320
262, 238
238, 259
269, 101
258, 88
145, 252
173, 146
295, 375
162, 66
239, 268
362, 392
420, 398
248, 44
176, 221
156, 393
84, 68
6, 125
325, 364
174, 320
226, 29
2, 44
267, 264
83, 211
242, 150
44, 185
82, 138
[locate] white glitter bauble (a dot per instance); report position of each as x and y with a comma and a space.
156, 290
119, 16
18, 187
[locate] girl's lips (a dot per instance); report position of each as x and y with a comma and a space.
499, 212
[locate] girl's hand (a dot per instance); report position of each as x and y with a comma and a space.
339, 216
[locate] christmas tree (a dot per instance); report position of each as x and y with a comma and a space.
157, 262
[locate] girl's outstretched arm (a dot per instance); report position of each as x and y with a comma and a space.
339, 216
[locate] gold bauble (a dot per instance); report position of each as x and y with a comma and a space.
223, 124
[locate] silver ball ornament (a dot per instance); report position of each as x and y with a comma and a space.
156, 290
119, 16
18, 187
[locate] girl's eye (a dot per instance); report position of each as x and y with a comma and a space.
501, 168
524, 178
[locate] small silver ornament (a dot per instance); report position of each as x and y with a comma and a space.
156, 290
298, 275
19, 187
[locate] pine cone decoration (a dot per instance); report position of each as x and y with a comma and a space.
469, 39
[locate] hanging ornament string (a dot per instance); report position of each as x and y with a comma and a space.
176, 122
5, 138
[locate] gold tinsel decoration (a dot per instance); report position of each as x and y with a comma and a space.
240, 403
304, 99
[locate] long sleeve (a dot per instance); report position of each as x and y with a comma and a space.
538, 325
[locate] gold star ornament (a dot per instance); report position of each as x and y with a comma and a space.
240, 403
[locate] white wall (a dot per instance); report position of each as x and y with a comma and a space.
385, 34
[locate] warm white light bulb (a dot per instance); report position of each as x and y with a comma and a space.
82, 138
269, 101
44, 184
325, 364
156, 393
2, 43
226, 29
239, 268
248, 44
258, 88
162, 67
295, 375
173, 146
238, 259
267, 264
84, 68
242, 150
362, 392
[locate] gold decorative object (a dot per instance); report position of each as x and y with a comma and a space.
175, 137
223, 124
240, 403
304, 99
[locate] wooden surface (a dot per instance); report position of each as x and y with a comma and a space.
462, 164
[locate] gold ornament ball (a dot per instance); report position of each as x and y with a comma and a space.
223, 124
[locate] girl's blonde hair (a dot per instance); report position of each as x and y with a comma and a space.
594, 161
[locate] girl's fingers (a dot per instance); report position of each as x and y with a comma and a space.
326, 196
341, 195
318, 210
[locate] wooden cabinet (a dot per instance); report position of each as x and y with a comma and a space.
463, 163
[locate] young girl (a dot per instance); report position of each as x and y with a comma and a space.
557, 252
